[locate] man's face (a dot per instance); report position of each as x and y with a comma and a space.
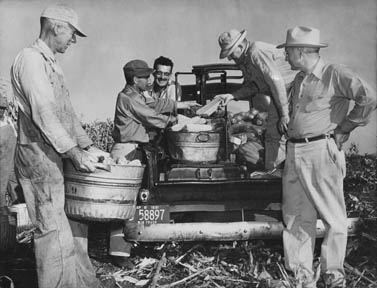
162, 75
293, 56
144, 83
65, 37
236, 54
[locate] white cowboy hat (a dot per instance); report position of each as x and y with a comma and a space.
301, 36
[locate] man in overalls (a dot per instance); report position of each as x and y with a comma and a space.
49, 131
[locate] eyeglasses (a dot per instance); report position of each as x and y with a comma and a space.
67, 27
159, 74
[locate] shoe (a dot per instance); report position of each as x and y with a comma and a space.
122, 262
331, 282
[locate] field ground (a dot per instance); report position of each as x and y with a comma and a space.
252, 263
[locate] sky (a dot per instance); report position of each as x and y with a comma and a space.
186, 31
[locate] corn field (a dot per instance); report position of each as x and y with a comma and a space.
100, 133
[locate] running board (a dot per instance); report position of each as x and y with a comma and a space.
211, 231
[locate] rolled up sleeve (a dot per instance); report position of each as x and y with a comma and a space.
364, 97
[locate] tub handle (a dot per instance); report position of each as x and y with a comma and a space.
202, 137
197, 173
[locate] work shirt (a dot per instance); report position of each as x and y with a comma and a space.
265, 71
321, 100
171, 91
135, 114
46, 113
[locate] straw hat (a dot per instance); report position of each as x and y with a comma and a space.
228, 41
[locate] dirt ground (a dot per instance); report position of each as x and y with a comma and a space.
253, 263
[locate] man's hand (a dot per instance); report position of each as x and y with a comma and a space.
98, 152
283, 124
82, 160
187, 104
225, 98
340, 137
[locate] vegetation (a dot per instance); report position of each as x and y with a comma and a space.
100, 133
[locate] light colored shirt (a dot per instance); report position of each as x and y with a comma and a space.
265, 71
172, 91
46, 112
321, 100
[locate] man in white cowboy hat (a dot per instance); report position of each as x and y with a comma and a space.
49, 131
265, 72
315, 164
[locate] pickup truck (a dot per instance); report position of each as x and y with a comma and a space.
206, 201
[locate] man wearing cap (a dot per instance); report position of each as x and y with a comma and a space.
315, 165
135, 115
265, 72
49, 131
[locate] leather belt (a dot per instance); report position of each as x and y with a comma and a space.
310, 139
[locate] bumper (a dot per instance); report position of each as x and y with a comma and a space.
211, 231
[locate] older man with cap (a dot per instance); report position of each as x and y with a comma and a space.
49, 131
315, 165
135, 115
265, 72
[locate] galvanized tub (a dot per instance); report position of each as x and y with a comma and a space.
102, 195
188, 147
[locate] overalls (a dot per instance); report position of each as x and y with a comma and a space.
60, 244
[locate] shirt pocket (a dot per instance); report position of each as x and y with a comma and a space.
316, 103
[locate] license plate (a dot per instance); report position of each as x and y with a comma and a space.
151, 214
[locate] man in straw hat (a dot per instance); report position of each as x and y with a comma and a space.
49, 131
265, 72
315, 164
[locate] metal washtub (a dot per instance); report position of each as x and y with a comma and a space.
188, 147
102, 195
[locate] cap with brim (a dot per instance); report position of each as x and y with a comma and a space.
301, 36
65, 14
138, 68
229, 41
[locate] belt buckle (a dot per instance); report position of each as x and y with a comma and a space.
306, 140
